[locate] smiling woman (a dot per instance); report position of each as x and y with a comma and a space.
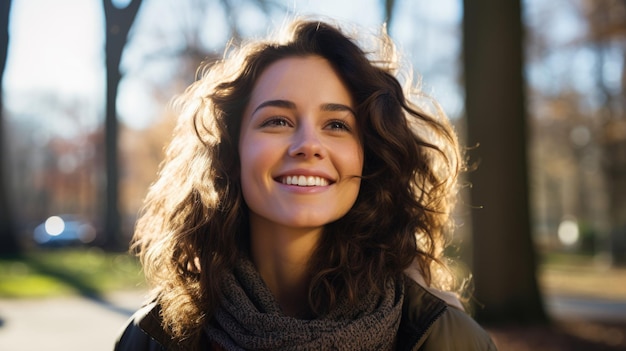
299, 131
303, 204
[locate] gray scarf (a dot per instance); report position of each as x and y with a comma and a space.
249, 318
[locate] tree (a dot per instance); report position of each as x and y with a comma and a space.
504, 262
606, 32
8, 234
118, 24
388, 9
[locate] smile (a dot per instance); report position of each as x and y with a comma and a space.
301, 180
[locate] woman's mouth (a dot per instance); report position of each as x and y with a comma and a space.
301, 180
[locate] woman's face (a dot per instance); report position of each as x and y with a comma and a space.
301, 155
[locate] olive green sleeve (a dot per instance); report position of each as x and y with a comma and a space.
456, 330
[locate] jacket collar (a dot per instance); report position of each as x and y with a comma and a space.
149, 320
420, 310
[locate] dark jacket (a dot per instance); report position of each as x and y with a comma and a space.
427, 324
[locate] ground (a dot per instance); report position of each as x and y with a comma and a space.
564, 335
588, 304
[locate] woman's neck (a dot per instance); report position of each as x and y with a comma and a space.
282, 255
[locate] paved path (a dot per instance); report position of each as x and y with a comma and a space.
585, 308
66, 323
75, 323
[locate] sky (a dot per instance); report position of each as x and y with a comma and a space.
52, 42
56, 48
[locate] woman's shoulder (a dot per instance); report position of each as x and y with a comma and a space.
143, 331
456, 330
432, 320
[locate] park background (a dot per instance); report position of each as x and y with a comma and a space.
536, 89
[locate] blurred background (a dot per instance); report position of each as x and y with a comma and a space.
536, 89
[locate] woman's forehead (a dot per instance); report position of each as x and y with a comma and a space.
295, 78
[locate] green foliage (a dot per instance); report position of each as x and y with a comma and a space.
89, 272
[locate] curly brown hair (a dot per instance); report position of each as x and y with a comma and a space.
194, 224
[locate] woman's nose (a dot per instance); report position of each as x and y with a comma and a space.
306, 143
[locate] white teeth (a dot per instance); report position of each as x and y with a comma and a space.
304, 180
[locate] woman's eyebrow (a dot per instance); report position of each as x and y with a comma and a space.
328, 107
276, 103
333, 107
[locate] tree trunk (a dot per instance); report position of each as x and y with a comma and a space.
118, 23
613, 142
9, 244
389, 6
504, 262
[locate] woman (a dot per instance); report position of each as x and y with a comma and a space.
302, 205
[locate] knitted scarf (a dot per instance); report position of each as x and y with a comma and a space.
249, 318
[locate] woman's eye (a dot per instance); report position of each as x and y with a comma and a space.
275, 122
338, 125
